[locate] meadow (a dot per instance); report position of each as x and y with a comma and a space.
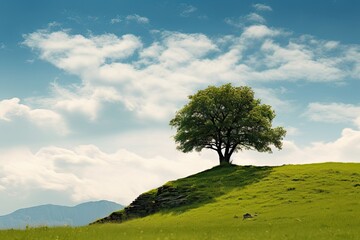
314, 201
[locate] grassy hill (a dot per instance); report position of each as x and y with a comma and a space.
315, 201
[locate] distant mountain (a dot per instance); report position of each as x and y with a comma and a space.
54, 215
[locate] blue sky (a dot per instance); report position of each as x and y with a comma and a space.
87, 90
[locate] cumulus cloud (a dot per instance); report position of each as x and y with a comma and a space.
256, 18
334, 113
137, 18
78, 54
85, 173
260, 32
272, 97
146, 87
130, 18
86, 100
344, 149
298, 60
44, 119
262, 7
115, 20
244, 21
152, 80
292, 131
352, 55
187, 9
234, 22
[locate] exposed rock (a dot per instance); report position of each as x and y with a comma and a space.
247, 215
163, 198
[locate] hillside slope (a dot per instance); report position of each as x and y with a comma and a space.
306, 200
54, 215
190, 192
294, 202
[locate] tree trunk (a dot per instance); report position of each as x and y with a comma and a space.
224, 159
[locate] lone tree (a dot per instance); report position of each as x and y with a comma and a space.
226, 119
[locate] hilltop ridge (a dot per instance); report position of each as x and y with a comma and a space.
287, 191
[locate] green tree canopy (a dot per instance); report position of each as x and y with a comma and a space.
226, 119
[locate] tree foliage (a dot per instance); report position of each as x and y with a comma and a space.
226, 119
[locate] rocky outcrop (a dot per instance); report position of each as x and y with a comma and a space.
190, 192
162, 198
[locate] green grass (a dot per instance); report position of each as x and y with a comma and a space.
315, 201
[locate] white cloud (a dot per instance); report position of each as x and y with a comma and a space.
271, 97
137, 18
331, 44
153, 80
334, 113
352, 55
296, 61
85, 172
153, 85
187, 10
181, 48
260, 31
238, 23
78, 54
262, 7
115, 20
44, 119
54, 24
344, 149
86, 100
292, 131
242, 22
256, 18
130, 18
